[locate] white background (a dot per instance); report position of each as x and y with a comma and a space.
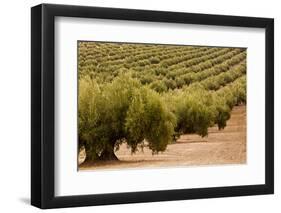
15, 107
70, 182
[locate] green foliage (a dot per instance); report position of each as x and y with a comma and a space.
122, 111
159, 86
170, 84
148, 94
149, 119
89, 94
222, 111
146, 79
194, 112
154, 60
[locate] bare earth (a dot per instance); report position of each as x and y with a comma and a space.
227, 146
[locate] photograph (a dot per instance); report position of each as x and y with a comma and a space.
174, 104
146, 105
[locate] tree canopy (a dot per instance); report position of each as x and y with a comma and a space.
122, 111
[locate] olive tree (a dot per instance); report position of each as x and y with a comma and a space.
193, 111
122, 111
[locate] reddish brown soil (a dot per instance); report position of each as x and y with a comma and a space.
227, 146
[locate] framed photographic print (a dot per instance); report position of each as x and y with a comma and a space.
139, 106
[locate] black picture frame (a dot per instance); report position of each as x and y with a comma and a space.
43, 102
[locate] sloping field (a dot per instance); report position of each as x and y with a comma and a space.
186, 103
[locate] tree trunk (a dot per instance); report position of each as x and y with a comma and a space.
108, 155
90, 155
